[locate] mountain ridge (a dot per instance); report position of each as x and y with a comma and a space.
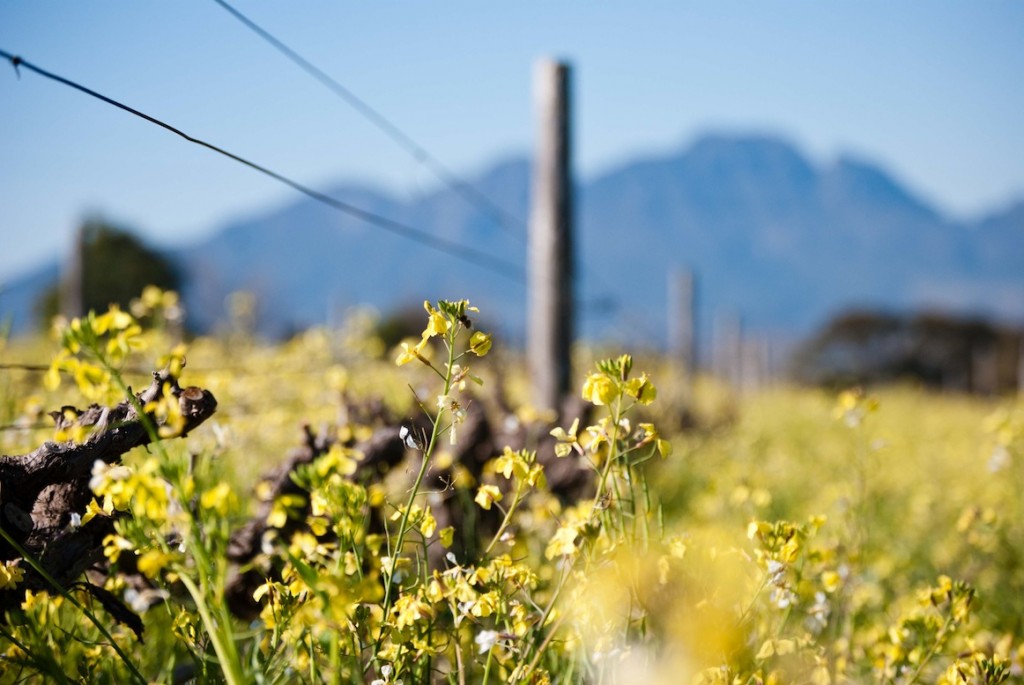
771, 235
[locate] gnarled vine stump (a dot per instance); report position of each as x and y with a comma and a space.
41, 492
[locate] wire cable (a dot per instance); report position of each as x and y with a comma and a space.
452, 248
468, 193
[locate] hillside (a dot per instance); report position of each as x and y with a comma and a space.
771, 235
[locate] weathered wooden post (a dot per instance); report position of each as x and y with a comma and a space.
72, 285
984, 369
728, 352
550, 304
1020, 364
753, 367
682, 342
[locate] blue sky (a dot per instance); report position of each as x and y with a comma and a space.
930, 90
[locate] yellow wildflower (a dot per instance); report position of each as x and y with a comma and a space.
642, 389
830, 580
409, 609
567, 441
487, 495
437, 324
410, 353
599, 389
10, 574
563, 543
428, 524
219, 498
113, 545
480, 343
152, 562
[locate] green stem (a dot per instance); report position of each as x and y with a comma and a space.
403, 526
940, 638
544, 619
508, 517
487, 668
225, 650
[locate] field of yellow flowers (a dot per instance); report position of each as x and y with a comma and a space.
357, 514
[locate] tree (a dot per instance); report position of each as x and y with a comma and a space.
937, 350
114, 268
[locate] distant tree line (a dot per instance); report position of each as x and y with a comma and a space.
936, 350
110, 266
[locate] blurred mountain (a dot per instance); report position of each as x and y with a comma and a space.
771, 236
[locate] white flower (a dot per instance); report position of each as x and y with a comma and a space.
140, 602
776, 573
409, 438
103, 472
453, 406
999, 460
818, 613
486, 639
783, 598
386, 670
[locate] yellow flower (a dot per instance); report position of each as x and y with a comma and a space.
152, 562
125, 341
567, 441
113, 545
436, 323
51, 380
563, 543
285, 506
32, 599
642, 389
410, 353
152, 296
599, 389
94, 509
174, 361
219, 498
480, 343
511, 462
113, 320
486, 604
487, 495
10, 575
409, 609
428, 524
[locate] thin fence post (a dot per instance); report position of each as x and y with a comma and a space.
984, 369
728, 351
1020, 363
550, 310
72, 286
753, 363
682, 341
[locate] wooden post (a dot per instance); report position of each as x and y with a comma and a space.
984, 369
682, 322
550, 311
72, 286
1020, 363
753, 373
728, 352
